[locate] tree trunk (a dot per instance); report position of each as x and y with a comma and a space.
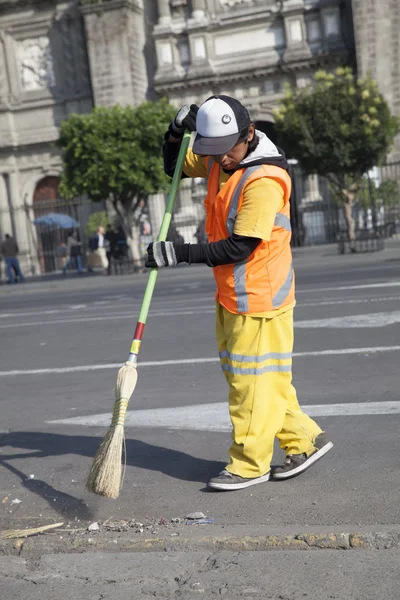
134, 245
350, 222
126, 211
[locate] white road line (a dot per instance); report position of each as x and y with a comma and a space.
29, 314
166, 305
343, 322
341, 288
190, 361
106, 317
215, 417
95, 306
352, 321
348, 301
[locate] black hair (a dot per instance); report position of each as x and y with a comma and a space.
252, 144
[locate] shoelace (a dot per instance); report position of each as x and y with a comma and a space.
288, 460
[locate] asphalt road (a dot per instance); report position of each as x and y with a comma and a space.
63, 340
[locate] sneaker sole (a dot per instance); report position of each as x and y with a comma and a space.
238, 486
307, 464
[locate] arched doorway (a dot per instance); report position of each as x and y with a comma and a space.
46, 190
45, 200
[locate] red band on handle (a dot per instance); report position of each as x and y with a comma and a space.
139, 331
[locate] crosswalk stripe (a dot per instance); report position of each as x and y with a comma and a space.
215, 417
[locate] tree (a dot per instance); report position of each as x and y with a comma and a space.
115, 153
97, 219
340, 127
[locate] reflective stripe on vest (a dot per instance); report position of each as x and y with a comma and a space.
283, 293
233, 209
239, 270
283, 221
239, 276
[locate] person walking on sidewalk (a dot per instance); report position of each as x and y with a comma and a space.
98, 245
249, 232
9, 249
74, 252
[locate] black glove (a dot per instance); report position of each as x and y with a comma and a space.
161, 254
185, 119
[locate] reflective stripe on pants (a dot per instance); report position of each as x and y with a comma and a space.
256, 358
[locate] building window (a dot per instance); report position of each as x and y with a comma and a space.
184, 53
331, 24
295, 31
199, 48
165, 53
314, 30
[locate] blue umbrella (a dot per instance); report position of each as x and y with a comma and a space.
57, 220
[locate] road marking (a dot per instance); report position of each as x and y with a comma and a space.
167, 305
29, 314
95, 306
341, 288
352, 321
344, 322
215, 416
191, 361
115, 317
348, 301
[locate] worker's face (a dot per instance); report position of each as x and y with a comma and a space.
231, 159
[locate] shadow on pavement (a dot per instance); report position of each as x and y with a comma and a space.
173, 463
64, 504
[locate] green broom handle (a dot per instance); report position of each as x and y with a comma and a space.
162, 236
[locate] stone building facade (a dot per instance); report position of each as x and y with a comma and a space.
64, 56
377, 43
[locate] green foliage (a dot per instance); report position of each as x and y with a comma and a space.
370, 194
340, 128
95, 220
115, 152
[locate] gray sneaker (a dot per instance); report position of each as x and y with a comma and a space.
228, 481
297, 463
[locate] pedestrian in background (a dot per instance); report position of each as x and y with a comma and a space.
111, 239
145, 231
62, 254
98, 245
249, 233
9, 249
74, 253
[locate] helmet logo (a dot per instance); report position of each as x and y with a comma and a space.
226, 119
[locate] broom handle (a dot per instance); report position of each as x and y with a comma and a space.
162, 236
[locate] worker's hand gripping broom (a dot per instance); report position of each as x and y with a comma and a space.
105, 477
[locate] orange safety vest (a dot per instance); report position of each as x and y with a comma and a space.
265, 281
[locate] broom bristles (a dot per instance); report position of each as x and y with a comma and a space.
105, 476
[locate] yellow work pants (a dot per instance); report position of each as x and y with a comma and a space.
256, 357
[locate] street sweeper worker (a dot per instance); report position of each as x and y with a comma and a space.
248, 229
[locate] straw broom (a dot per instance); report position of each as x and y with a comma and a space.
105, 477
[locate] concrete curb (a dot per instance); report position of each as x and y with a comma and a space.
55, 543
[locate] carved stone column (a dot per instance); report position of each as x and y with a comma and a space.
164, 12
115, 33
19, 219
5, 217
198, 9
